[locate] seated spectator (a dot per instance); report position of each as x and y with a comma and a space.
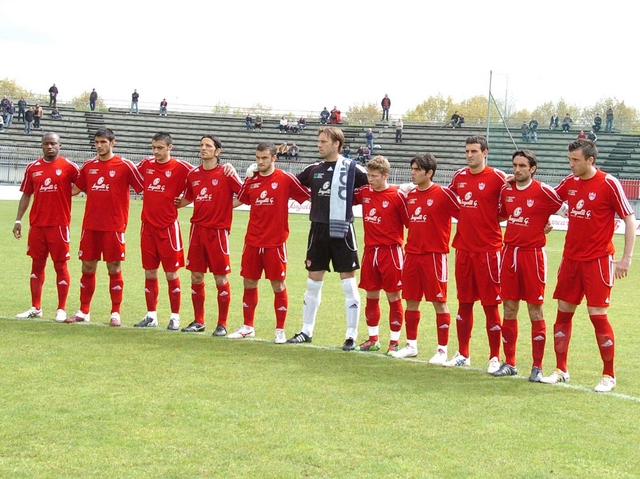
249, 121
1, 123
302, 123
294, 151
293, 126
582, 135
55, 114
324, 116
284, 124
455, 118
257, 125
460, 121
592, 136
566, 123
282, 150
334, 117
597, 123
346, 151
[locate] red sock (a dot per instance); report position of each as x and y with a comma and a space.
443, 321
175, 295
281, 306
538, 341
606, 341
509, 340
151, 293
36, 280
562, 338
62, 279
87, 288
411, 321
494, 330
224, 299
249, 303
197, 299
372, 314
464, 326
116, 285
396, 314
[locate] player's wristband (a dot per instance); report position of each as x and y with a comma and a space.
18, 222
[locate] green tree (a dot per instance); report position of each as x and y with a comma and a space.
82, 101
433, 110
255, 109
15, 91
474, 110
625, 118
363, 114
221, 109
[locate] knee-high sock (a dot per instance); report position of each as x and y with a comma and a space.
281, 306
175, 295
151, 293
224, 299
312, 299
372, 317
36, 280
87, 288
538, 341
116, 285
443, 321
562, 338
464, 326
198, 294
396, 317
351, 306
509, 340
494, 329
249, 303
411, 322
606, 341
62, 280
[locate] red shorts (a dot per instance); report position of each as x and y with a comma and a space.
593, 279
425, 275
523, 274
478, 277
106, 245
208, 250
382, 269
273, 261
45, 240
161, 245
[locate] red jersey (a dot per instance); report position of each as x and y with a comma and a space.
268, 197
212, 195
527, 211
430, 213
163, 182
107, 184
384, 214
593, 204
478, 227
50, 184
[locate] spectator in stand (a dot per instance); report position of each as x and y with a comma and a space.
293, 126
53, 95
93, 98
28, 119
553, 123
346, 151
248, 121
525, 131
55, 114
282, 150
257, 125
592, 136
399, 127
37, 116
582, 135
324, 116
597, 123
533, 130
294, 152
461, 121
302, 123
386, 104
366, 153
284, 124
369, 136
134, 101
566, 123
163, 107
4, 106
10, 112
455, 118
22, 108
334, 117
1, 124
608, 127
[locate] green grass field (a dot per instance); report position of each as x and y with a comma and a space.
93, 401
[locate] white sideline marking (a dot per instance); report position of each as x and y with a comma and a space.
339, 349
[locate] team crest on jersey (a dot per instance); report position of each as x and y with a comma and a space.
592, 196
167, 174
58, 172
385, 204
529, 203
214, 182
517, 212
429, 202
112, 173
274, 185
481, 186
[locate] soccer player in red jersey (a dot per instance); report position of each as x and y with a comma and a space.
384, 214
106, 180
49, 181
426, 271
165, 178
594, 199
526, 205
478, 242
211, 191
267, 193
